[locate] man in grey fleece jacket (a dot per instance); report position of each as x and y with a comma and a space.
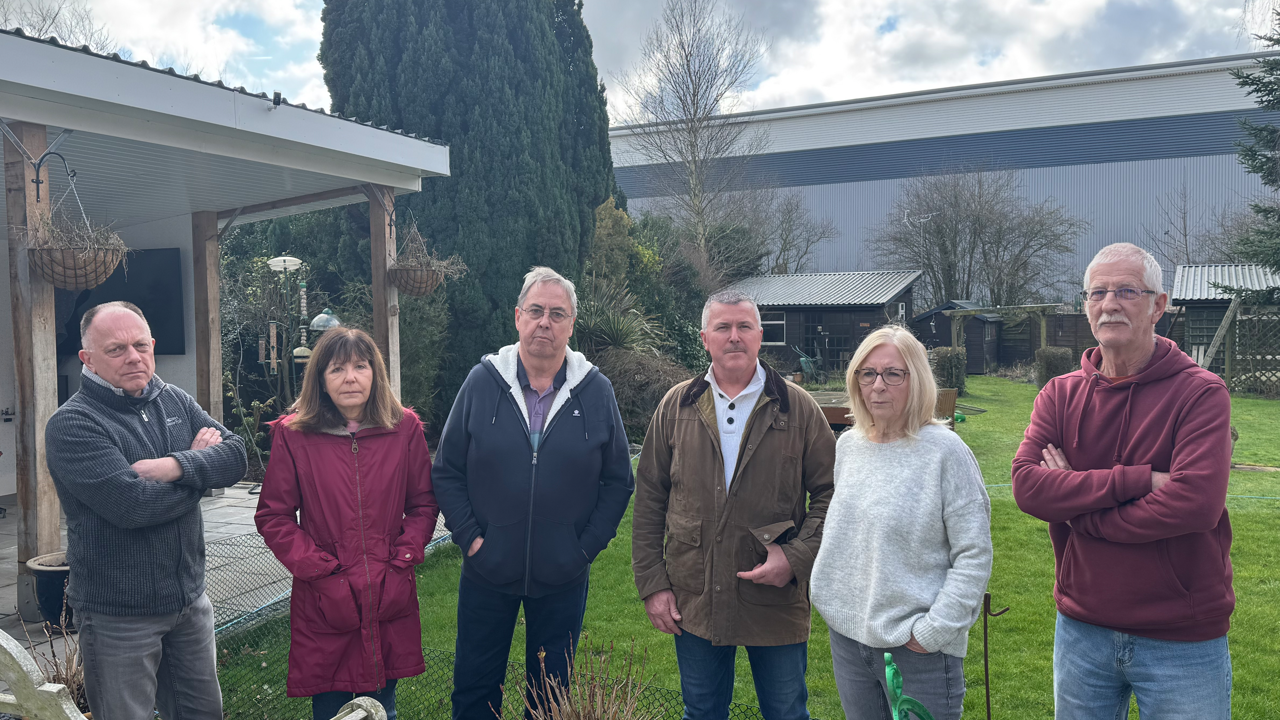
131, 457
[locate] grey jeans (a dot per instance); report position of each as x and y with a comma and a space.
135, 663
935, 679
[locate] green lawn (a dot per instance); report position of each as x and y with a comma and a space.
1022, 640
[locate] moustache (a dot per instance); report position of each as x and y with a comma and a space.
1112, 318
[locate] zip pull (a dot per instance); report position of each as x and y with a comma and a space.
535, 457
354, 448
144, 416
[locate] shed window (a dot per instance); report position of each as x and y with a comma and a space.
775, 328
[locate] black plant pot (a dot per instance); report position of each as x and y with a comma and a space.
51, 572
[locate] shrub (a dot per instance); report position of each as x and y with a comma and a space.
1052, 362
640, 379
949, 367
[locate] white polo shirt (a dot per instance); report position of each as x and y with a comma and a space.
732, 415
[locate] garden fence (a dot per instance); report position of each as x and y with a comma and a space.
1255, 352
252, 619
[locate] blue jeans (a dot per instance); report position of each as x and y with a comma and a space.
326, 705
1096, 669
706, 678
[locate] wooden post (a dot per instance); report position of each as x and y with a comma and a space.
1044, 330
35, 363
957, 330
386, 299
205, 258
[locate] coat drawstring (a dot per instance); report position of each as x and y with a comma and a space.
1088, 397
1124, 424
497, 403
585, 433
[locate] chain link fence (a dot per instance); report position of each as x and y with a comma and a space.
249, 590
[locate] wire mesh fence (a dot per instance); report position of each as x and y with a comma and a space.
1256, 353
250, 593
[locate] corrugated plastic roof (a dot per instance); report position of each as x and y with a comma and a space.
841, 288
1196, 282
194, 77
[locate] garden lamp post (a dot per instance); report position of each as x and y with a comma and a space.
284, 265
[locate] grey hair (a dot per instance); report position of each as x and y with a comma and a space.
728, 297
87, 320
538, 275
1152, 274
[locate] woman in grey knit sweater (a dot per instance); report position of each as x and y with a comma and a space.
906, 548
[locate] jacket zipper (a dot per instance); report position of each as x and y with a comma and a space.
364, 551
533, 484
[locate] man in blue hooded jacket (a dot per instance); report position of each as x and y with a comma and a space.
533, 476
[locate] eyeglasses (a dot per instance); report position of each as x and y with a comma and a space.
1126, 294
536, 313
892, 376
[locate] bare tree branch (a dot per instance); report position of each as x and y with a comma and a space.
975, 236
71, 21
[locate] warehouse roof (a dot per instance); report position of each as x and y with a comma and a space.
1197, 282
842, 288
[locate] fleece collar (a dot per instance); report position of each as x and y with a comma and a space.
504, 361
95, 386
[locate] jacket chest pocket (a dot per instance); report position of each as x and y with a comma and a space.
685, 556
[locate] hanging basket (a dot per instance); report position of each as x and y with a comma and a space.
75, 269
414, 280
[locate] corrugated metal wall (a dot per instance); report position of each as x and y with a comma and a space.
1117, 199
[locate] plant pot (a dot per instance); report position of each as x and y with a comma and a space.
75, 269
51, 572
414, 280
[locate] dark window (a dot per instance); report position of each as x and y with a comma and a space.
775, 327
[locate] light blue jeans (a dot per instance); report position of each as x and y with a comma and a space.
1095, 670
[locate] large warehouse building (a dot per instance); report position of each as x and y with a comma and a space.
1109, 146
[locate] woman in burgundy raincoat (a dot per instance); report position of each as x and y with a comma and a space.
355, 463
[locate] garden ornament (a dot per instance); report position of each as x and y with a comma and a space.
986, 661
900, 705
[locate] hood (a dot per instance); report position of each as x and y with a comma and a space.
503, 363
1167, 360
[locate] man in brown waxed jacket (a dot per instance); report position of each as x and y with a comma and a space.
722, 550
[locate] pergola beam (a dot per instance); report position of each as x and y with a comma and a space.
322, 196
960, 317
386, 299
35, 363
206, 270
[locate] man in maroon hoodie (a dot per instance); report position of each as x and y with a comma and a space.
1127, 459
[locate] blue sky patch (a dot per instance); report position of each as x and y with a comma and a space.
889, 25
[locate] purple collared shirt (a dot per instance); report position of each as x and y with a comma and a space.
539, 404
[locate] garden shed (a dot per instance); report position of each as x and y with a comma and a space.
1199, 291
981, 334
826, 315
169, 162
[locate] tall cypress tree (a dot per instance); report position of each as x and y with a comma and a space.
510, 86
1258, 156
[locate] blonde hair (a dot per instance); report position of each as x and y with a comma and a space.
922, 391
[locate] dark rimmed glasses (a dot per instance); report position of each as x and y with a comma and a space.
1126, 294
892, 376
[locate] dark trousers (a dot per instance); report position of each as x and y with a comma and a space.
706, 678
325, 706
486, 624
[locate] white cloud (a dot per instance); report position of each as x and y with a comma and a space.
866, 48
212, 37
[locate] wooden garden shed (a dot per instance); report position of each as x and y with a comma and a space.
170, 163
1197, 291
981, 334
828, 314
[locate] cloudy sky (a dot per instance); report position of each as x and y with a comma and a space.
820, 50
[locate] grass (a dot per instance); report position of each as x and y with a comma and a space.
1022, 578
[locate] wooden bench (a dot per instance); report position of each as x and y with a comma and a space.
836, 408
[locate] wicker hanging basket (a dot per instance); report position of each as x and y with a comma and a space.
75, 269
414, 279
